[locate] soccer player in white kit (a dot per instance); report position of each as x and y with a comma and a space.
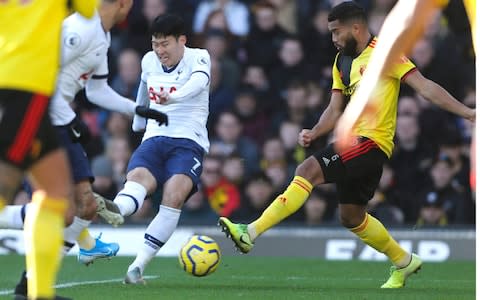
85, 43
175, 80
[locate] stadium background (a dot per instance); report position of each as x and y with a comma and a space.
271, 65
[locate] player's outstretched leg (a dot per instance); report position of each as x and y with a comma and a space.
100, 250
238, 233
108, 210
398, 276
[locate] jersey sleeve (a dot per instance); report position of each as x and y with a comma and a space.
74, 43
86, 8
101, 72
402, 68
144, 64
201, 63
337, 78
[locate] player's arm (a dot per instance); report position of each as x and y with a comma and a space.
327, 120
438, 95
199, 79
139, 123
100, 93
86, 8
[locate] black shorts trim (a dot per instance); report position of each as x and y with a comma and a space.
26, 131
356, 171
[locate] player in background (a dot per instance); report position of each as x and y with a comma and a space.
357, 169
404, 25
175, 80
84, 64
28, 142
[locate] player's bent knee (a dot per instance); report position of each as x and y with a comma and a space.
310, 170
143, 177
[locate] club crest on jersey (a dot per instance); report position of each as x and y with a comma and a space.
72, 40
202, 60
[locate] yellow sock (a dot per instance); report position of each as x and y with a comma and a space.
85, 240
374, 234
43, 231
283, 206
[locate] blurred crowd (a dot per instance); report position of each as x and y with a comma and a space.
271, 77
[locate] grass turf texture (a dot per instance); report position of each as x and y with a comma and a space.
245, 277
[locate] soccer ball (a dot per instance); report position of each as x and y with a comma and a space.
200, 256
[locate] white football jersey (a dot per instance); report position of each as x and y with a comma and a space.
187, 118
84, 55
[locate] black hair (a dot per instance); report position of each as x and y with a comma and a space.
168, 24
347, 11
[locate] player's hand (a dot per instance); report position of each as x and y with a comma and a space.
162, 97
79, 131
149, 113
305, 137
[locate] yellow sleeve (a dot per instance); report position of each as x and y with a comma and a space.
402, 68
86, 8
337, 78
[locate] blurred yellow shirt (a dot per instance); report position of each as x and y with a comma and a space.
30, 39
381, 127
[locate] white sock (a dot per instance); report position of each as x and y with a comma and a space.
156, 235
130, 198
12, 216
71, 233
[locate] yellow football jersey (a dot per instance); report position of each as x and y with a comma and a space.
30, 34
347, 74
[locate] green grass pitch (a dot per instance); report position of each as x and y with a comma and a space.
248, 277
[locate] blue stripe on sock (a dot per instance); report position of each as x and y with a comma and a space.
153, 240
134, 200
22, 212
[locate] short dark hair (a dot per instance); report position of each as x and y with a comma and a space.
347, 11
168, 24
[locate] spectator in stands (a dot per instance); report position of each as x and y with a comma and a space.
296, 107
383, 203
319, 50
292, 65
138, 32
315, 209
288, 134
254, 120
254, 76
223, 195
265, 36
221, 96
432, 211
228, 139
258, 192
197, 211
104, 185
218, 46
442, 190
233, 170
236, 15
118, 151
410, 160
408, 105
126, 81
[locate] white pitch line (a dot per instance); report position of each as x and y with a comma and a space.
77, 283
